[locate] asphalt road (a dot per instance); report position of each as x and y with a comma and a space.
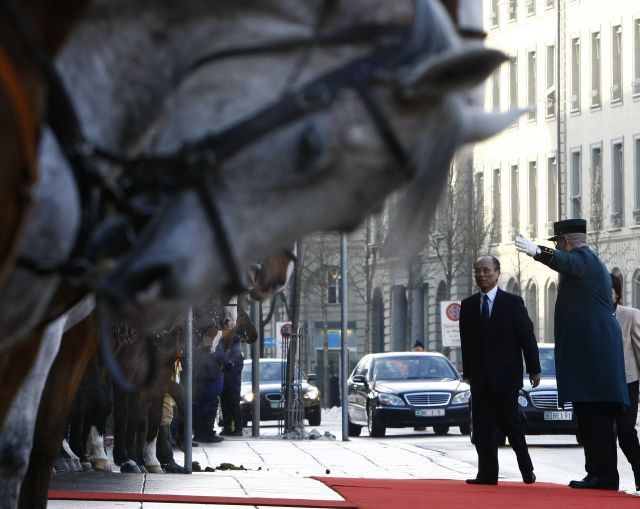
556, 458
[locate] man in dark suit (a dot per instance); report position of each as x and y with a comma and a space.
495, 332
589, 355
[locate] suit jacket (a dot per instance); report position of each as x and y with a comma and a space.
494, 356
629, 319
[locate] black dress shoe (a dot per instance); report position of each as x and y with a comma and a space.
594, 483
529, 478
481, 481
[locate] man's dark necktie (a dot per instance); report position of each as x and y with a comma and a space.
485, 311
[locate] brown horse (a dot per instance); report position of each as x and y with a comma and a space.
22, 104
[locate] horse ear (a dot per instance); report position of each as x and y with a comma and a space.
451, 71
478, 125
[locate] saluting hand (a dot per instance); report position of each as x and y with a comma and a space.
524, 245
535, 380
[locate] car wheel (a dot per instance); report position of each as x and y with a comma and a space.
465, 429
314, 417
354, 430
376, 428
441, 429
579, 438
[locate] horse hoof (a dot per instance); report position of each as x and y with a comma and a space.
61, 465
130, 467
86, 466
143, 469
173, 468
154, 469
101, 465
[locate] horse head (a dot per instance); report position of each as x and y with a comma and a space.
272, 121
270, 275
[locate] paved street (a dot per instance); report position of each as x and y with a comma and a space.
275, 466
403, 453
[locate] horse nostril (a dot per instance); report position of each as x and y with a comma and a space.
148, 284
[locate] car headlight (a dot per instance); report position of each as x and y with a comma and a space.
522, 400
312, 393
461, 398
389, 399
247, 397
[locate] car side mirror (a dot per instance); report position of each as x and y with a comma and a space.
359, 379
312, 377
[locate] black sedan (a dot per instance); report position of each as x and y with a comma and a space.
406, 389
539, 411
272, 400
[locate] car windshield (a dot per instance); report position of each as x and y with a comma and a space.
547, 362
413, 368
270, 371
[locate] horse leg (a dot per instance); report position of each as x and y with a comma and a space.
80, 343
14, 368
16, 437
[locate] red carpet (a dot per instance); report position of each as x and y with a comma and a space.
418, 493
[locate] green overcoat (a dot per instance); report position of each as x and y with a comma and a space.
589, 355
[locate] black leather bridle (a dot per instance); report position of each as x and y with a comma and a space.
195, 164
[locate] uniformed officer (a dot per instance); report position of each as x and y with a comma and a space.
589, 356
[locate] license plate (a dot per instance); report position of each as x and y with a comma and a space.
558, 415
276, 404
435, 412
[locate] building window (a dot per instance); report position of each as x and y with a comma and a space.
333, 286
531, 7
550, 4
575, 74
495, 90
513, 83
531, 303
576, 172
533, 199
617, 165
596, 89
513, 10
552, 295
493, 14
616, 64
636, 164
551, 81
515, 201
596, 188
479, 192
552, 193
635, 84
531, 84
497, 208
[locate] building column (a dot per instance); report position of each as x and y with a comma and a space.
398, 318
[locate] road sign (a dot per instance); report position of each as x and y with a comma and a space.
286, 330
450, 318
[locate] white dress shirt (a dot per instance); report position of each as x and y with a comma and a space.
492, 297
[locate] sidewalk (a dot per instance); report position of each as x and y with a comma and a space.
273, 468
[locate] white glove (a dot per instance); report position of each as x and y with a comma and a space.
524, 245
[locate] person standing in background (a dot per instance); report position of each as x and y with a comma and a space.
629, 319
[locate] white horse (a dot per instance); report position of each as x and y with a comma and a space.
310, 133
